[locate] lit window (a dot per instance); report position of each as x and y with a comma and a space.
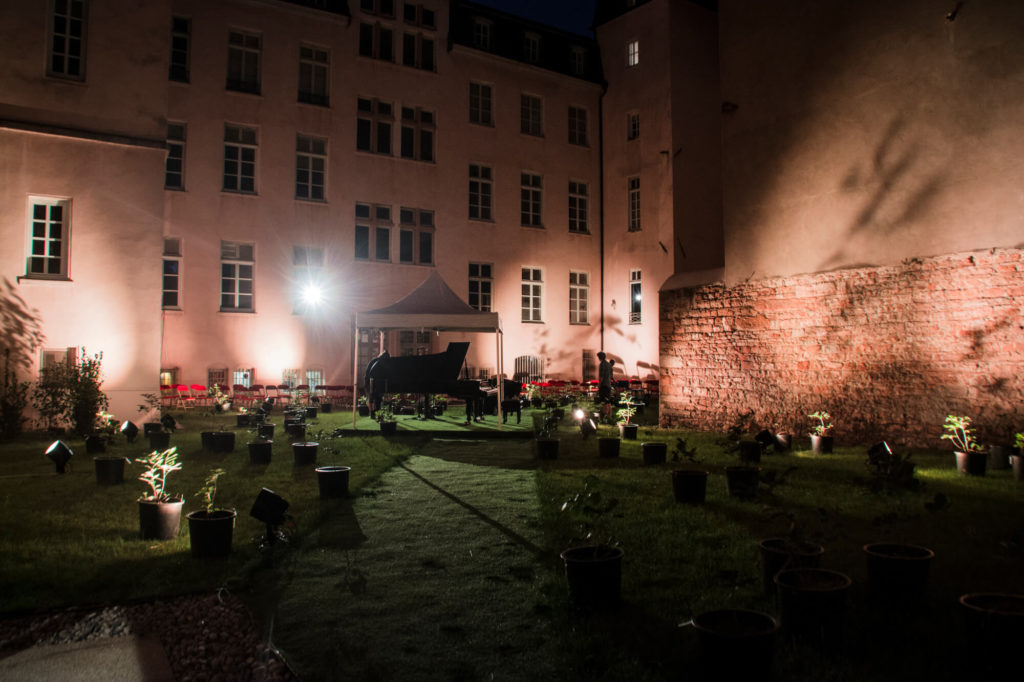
633, 53
314, 72
310, 167
634, 204
67, 40
634, 297
236, 277
239, 159
579, 297
532, 295
49, 238
244, 62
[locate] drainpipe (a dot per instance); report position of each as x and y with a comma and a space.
600, 182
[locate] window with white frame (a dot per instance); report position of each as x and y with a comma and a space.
307, 278
480, 104
578, 126
480, 187
66, 57
530, 196
579, 297
181, 39
578, 219
634, 297
244, 61
174, 164
171, 266
633, 53
531, 47
415, 236
373, 125
49, 238
632, 125
532, 295
482, 33
54, 357
418, 15
634, 203
481, 286
314, 378
290, 377
314, 75
243, 377
236, 277
376, 41
418, 51
530, 115
239, 159
578, 60
417, 134
310, 167
373, 232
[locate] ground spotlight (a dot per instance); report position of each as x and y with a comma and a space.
130, 430
60, 454
269, 508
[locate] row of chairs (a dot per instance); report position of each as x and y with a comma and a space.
188, 396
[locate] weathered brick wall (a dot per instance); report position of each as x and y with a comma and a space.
888, 351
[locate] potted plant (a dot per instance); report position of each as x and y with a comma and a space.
385, 416
736, 644
332, 480
970, 459
546, 429
897, 573
688, 485
159, 512
593, 568
533, 395
363, 406
892, 470
626, 411
741, 480
1017, 458
109, 470
261, 444
821, 432
210, 528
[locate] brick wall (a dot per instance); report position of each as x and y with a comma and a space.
888, 351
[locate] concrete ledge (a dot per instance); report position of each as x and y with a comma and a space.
119, 659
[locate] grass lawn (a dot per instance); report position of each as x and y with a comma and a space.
444, 564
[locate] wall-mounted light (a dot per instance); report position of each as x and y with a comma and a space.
59, 453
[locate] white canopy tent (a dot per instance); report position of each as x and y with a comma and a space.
430, 306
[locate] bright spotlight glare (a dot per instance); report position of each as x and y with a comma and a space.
579, 414
312, 295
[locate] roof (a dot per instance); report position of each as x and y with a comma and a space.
431, 305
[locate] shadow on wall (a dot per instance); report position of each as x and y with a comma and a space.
21, 329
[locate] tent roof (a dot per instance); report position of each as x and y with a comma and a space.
431, 305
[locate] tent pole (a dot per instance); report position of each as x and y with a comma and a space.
501, 379
355, 381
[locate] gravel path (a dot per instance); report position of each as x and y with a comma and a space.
206, 637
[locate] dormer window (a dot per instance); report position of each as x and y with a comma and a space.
531, 47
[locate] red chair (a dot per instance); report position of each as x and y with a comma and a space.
199, 395
284, 393
184, 399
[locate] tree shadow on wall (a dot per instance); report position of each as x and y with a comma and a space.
21, 329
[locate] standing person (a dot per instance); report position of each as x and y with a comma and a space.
604, 379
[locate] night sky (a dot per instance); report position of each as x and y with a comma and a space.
569, 15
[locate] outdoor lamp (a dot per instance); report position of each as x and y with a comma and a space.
269, 508
312, 295
130, 430
59, 453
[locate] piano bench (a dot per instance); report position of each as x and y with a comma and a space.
508, 406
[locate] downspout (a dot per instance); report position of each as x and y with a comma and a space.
600, 183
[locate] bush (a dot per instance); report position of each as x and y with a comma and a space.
13, 400
69, 393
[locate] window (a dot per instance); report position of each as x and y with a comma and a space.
314, 72
481, 286
174, 168
634, 204
579, 296
633, 53
239, 159
531, 47
634, 297
310, 167
314, 378
530, 194
578, 207
53, 357
169, 376
480, 104
479, 192
308, 267
172, 274
67, 40
578, 126
376, 42
481, 33
181, 31
578, 60
236, 281
384, 8
243, 377
373, 232
416, 236
413, 343
216, 377
530, 115
418, 51
244, 62
632, 125
417, 134
290, 377
373, 126
532, 291
419, 15
49, 238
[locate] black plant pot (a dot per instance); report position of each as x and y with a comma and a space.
812, 605
159, 520
778, 554
971, 463
152, 427
305, 453
736, 644
160, 440
628, 431
750, 451
326, 408
209, 533
266, 430
260, 452
95, 445
653, 453
608, 447
310, 413
1017, 463
109, 470
897, 574
364, 410
243, 420
995, 628
594, 575
221, 441
296, 431
689, 486
998, 457
547, 448
821, 445
333, 481
742, 481
388, 428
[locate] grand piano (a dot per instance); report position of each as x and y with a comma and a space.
437, 373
